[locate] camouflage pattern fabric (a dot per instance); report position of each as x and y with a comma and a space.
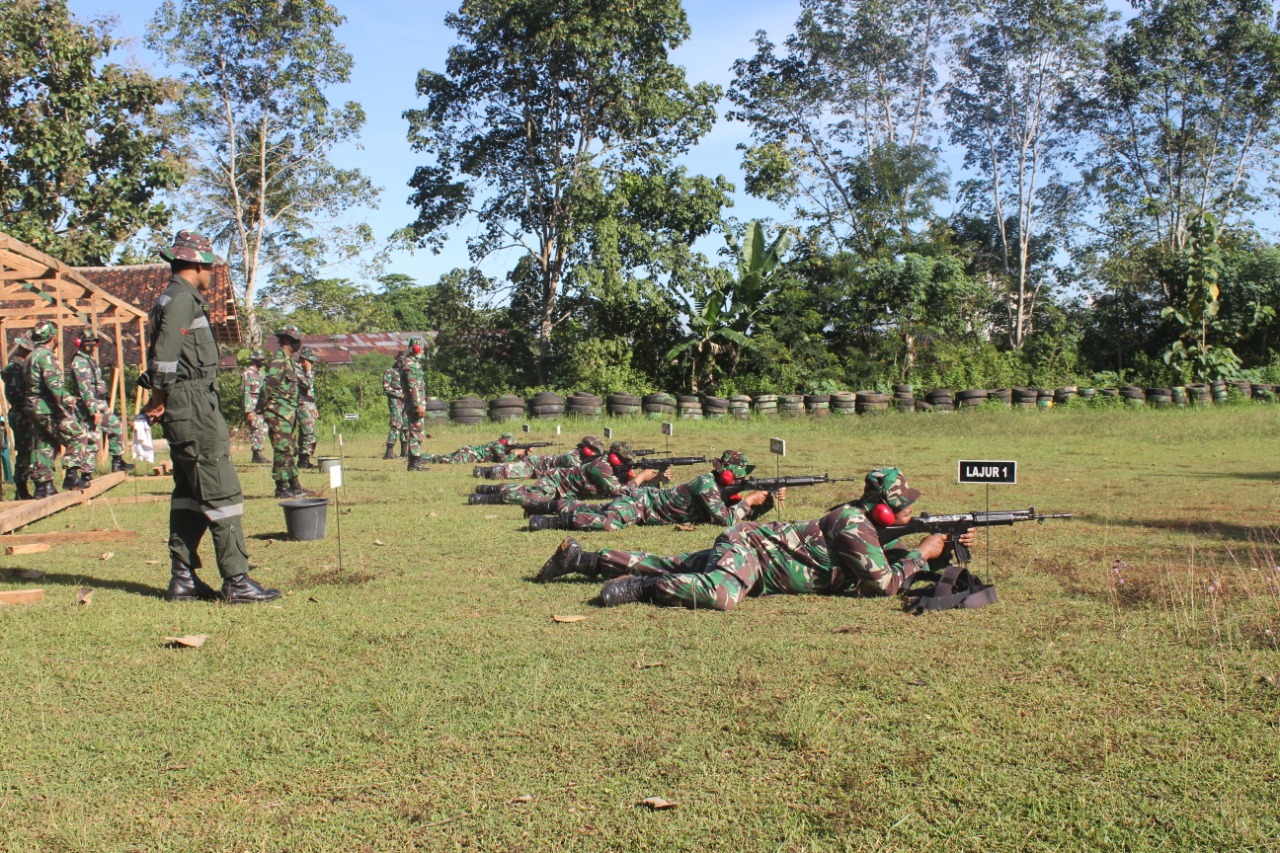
594, 480
535, 466
90, 390
698, 501
14, 375
278, 404
308, 420
251, 390
494, 451
414, 380
51, 412
397, 417
838, 553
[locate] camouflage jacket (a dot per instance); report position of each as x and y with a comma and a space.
180, 342
544, 464
281, 383
392, 384
698, 501
306, 385
47, 394
836, 553
251, 387
87, 385
595, 479
14, 375
413, 378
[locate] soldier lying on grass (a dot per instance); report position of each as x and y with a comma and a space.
542, 464
604, 477
839, 552
494, 451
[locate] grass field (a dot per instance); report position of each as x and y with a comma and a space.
1123, 695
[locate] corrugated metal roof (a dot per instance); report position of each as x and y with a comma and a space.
343, 349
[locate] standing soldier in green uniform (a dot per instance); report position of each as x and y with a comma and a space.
15, 391
414, 379
251, 388
838, 553
397, 420
278, 404
182, 366
51, 408
308, 414
94, 409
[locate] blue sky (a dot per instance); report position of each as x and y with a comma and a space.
391, 40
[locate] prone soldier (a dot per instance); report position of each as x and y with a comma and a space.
540, 465
494, 451
600, 478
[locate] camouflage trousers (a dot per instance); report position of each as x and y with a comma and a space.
47, 433
415, 432
619, 513
515, 493
308, 428
521, 469
18, 422
458, 457
112, 427
284, 467
397, 421
258, 434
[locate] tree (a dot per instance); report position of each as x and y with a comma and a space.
84, 150
842, 121
542, 109
256, 113
1020, 68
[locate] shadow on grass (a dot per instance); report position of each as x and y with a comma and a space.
89, 581
264, 537
1221, 529
1262, 476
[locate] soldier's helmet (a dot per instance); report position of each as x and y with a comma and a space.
191, 247
21, 344
591, 446
258, 355
87, 338
290, 331
506, 437
417, 346
307, 354
621, 455
43, 332
737, 463
888, 486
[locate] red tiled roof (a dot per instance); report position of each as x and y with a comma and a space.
141, 284
343, 349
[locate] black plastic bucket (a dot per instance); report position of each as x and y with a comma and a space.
304, 518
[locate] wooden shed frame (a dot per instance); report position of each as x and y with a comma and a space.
36, 287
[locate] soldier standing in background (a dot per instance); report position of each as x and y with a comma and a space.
397, 420
182, 371
308, 413
51, 408
15, 391
278, 404
251, 388
414, 378
94, 411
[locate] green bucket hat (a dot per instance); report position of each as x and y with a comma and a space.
21, 343
622, 450
191, 247
737, 462
307, 354
593, 443
289, 331
43, 332
258, 355
889, 486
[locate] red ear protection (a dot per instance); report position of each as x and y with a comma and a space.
503, 442
417, 350
587, 451
76, 341
883, 515
615, 460
725, 477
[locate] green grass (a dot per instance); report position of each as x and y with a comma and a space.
404, 701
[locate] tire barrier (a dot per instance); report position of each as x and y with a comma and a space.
660, 406
790, 405
940, 401
584, 405
766, 405
817, 405
506, 408
740, 406
844, 403
468, 410
689, 407
546, 405
437, 409
715, 407
622, 403
971, 397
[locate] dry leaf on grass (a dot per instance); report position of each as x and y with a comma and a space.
313, 599
28, 574
568, 618
153, 562
379, 542
685, 527
490, 517
108, 555
642, 665
656, 803
523, 798
193, 641
84, 596
848, 629
431, 515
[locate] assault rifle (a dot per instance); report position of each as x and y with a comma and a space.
952, 526
667, 461
646, 451
528, 445
773, 484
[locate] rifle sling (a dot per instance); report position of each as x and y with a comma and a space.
955, 587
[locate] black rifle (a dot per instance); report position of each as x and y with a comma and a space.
667, 461
953, 526
528, 445
647, 451
773, 484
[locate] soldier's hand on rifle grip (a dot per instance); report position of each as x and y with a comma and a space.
666, 476
966, 538
932, 546
758, 498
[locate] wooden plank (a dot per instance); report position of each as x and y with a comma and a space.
27, 548
67, 537
22, 596
133, 499
29, 511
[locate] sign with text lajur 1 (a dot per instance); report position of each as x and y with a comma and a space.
988, 471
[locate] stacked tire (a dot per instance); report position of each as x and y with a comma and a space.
817, 405
546, 405
1264, 393
971, 398
940, 400
790, 405
1159, 398
1044, 398
1003, 396
844, 403
468, 410
437, 409
715, 407
584, 405
766, 405
1199, 394
1065, 394
872, 402
506, 408
622, 404
1245, 389
1133, 395
1025, 398
904, 398
689, 407
1218, 389
740, 406
659, 406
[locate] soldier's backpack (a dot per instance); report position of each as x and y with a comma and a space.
953, 587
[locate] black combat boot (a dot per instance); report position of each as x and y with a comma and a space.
295, 486
404, 450
570, 558
21, 493
184, 585
489, 489
118, 464
391, 451
284, 491
482, 471
304, 462
627, 589
44, 490
416, 464
243, 589
77, 479
540, 506
563, 521
484, 499
259, 459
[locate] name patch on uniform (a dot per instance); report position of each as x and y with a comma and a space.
988, 471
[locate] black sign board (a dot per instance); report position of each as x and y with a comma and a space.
988, 471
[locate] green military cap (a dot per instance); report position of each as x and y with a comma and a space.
289, 331
191, 247
307, 354
258, 355
417, 345
737, 462
889, 486
592, 443
43, 332
622, 450
22, 343
88, 336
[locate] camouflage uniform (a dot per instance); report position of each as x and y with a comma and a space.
308, 413
397, 419
413, 378
51, 409
251, 389
90, 389
594, 480
494, 451
699, 501
534, 466
278, 405
14, 375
